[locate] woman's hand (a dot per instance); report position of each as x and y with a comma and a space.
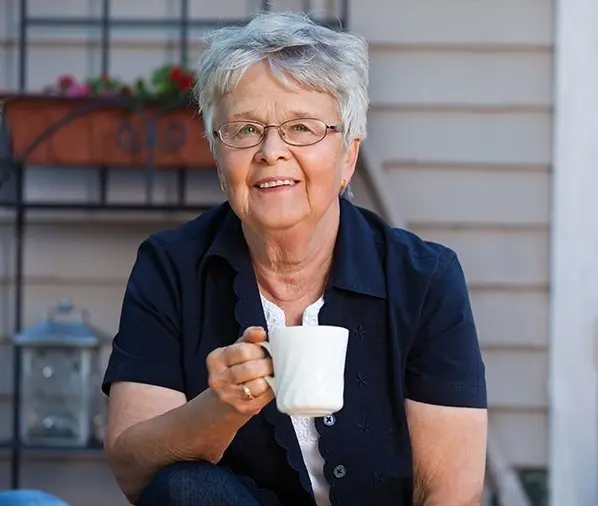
236, 373
150, 427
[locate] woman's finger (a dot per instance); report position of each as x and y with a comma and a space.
257, 387
240, 353
247, 371
253, 335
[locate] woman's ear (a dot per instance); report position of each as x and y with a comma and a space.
351, 155
221, 178
222, 182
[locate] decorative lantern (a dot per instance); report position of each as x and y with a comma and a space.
59, 379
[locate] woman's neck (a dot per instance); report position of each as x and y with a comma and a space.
293, 265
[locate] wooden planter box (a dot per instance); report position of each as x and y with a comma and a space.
103, 131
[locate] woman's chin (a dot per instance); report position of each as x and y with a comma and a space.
278, 219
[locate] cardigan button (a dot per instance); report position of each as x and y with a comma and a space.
339, 472
329, 420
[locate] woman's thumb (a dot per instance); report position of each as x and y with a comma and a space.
253, 335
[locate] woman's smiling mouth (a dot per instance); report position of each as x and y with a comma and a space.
275, 183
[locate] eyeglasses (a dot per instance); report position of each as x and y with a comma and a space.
296, 132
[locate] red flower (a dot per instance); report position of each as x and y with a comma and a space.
185, 83
175, 74
181, 79
66, 81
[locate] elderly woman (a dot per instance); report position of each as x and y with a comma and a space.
191, 418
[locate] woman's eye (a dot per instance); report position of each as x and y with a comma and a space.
248, 130
300, 127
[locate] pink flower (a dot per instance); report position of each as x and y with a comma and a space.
78, 90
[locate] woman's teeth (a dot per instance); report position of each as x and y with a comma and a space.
274, 184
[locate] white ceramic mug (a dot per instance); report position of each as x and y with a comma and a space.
309, 369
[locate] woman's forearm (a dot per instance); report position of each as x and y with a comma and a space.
203, 428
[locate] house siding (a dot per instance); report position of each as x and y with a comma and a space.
461, 121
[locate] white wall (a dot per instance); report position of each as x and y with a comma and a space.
574, 312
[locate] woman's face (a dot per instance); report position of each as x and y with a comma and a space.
316, 172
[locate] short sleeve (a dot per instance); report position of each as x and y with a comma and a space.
147, 346
444, 364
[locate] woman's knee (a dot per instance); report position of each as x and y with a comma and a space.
195, 483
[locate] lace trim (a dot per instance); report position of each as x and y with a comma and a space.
305, 429
311, 313
275, 318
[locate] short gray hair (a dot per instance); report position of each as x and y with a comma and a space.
296, 47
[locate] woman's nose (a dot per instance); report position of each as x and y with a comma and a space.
273, 147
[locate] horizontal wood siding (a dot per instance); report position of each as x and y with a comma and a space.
459, 22
474, 196
461, 119
431, 77
460, 135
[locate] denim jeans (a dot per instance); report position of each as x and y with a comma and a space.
29, 498
199, 484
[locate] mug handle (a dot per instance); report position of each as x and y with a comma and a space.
269, 379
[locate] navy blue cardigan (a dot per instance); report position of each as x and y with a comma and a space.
412, 335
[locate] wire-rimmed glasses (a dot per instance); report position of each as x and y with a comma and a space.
296, 132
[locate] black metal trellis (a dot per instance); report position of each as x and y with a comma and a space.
13, 172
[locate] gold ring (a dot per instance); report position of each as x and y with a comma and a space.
248, 395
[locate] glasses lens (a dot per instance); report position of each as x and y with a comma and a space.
302, 132
241, 134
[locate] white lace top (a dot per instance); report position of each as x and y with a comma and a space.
307, 435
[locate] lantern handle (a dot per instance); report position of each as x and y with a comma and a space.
64, 307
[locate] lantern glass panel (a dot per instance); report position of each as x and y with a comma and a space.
59, 358
56, 395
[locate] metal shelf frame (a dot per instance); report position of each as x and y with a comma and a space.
13, 173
